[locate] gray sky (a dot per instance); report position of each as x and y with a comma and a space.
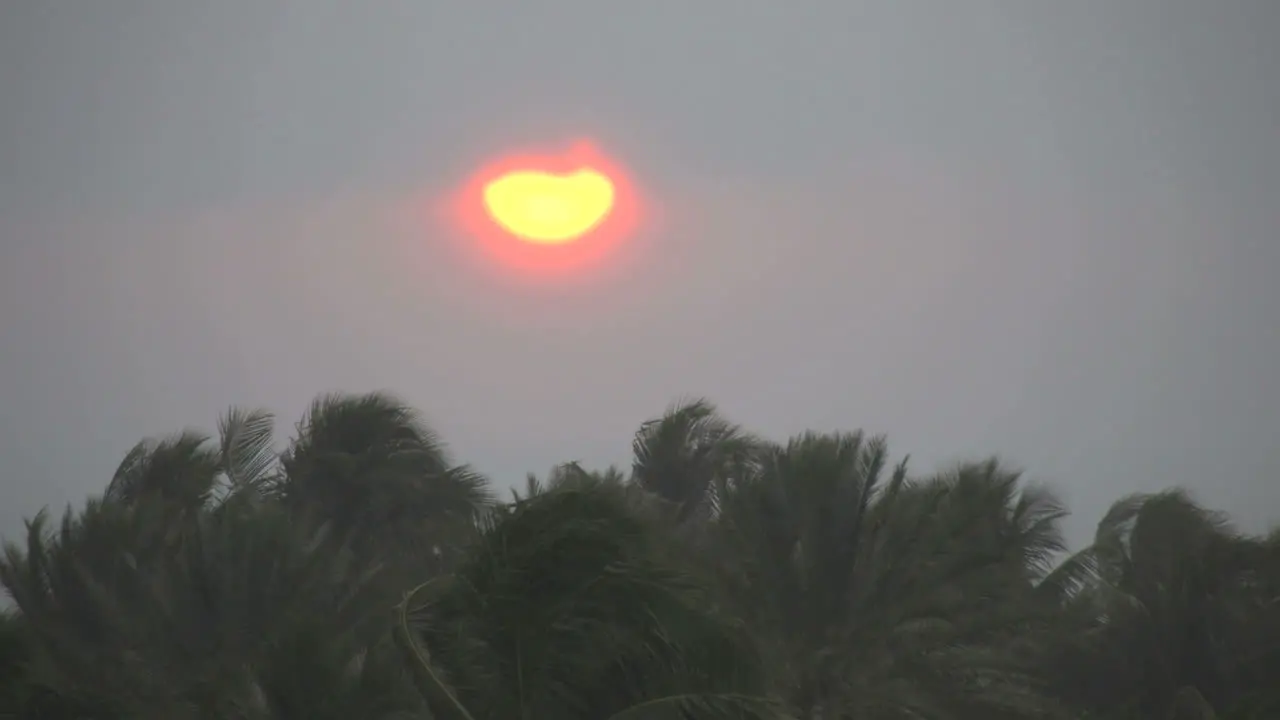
1040, 229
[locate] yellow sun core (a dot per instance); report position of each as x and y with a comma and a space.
549, 209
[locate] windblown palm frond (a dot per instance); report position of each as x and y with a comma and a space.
795, 533
891, 601
247, 456
15, 689
367, 466
1176, 604
73, 589
562, 610
573, 474
1074, 575
136, 619
181, 471
570, 474
368, 458
689, 455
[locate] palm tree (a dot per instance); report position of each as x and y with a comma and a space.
14, 688
1258, 638
889, 600
1183, 615
188, 472
369, 467
571, 474
82, 589
225, 578
206, 581
689, 456
566, 607
238, 614
181, 471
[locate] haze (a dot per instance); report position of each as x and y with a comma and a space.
1042, 230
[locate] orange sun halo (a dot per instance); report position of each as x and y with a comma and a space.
549, 213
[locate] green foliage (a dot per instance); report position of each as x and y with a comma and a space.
565, 608
358, 571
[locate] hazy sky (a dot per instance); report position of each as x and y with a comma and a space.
1041, 229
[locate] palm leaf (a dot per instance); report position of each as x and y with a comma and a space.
247, 456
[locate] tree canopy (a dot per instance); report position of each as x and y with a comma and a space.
357, 570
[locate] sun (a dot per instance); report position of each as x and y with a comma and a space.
551, 212
549, 208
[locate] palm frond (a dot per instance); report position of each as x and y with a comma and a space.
704, 706
687, 455
563, 609
247, 456
181, 470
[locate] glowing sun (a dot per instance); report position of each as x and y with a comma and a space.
551, 212
549, 208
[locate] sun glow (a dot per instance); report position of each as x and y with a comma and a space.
548, 213
546, 208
